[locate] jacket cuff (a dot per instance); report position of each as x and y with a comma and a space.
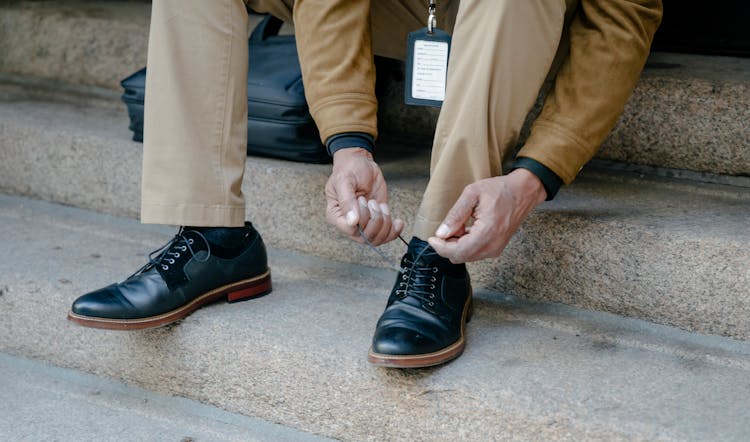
559, 149
350, 139
549, 179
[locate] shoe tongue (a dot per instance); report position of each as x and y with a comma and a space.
421, 250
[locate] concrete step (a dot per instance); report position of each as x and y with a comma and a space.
687, 112
42, 402
662, 249
297, 356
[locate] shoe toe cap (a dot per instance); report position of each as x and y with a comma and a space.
103, 303
399, 340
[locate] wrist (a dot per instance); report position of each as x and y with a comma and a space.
351, 152
549, 179
529, 184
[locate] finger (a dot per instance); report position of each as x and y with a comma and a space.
334, 214
397, 226
464, 249
364, 213
372, 230
446, 248
334, 217
345, 188
357, 237
459, 213
385, 212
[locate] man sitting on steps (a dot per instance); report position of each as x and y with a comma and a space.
502, 50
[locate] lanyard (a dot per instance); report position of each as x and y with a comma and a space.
431, 17
427, 51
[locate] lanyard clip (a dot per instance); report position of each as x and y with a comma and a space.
431, 18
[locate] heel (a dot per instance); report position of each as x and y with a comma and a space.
470, 311
253, 289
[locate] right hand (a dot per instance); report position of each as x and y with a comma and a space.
356, 194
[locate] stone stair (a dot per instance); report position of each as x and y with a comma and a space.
655, 228
297, 357
667, 250
661, 233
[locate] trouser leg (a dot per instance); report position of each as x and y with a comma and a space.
501, 53
195, 128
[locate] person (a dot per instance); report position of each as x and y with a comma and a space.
501, 53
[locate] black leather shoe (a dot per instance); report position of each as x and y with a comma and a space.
184, 275
425, 319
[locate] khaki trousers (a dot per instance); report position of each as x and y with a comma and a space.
196, 93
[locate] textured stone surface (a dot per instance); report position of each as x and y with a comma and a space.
687, 112
82, 42
297, 356
42, 402
663, 250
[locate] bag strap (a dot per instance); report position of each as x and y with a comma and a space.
269, 27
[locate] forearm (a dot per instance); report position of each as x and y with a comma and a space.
609, 44
335, 51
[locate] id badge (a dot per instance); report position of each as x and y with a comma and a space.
426, 67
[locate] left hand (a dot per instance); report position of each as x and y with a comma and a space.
498, 206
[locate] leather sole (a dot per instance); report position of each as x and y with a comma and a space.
427, 359
237, 291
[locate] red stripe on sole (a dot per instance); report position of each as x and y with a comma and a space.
259, 288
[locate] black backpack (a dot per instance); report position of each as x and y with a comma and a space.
279, 123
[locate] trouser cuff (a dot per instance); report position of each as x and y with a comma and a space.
193, 215
424, 228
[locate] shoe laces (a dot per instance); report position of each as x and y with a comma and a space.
167, 255
418, 280
382, 255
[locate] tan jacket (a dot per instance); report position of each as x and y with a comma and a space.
609, 44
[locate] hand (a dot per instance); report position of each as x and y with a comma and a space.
356, 194
498, 205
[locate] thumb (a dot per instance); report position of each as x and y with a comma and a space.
345, 192
454, 221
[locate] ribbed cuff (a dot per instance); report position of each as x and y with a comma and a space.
549, 179
350, 139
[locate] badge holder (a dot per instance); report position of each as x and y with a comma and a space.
427, 55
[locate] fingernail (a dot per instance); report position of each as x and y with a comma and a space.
362, 201
351, 218
398, 224
384, 208
374, 209
442, 231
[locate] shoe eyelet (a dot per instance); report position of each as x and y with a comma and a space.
183, 248
434, 270
432, 296
431, 304
190, 241
432, 286
176, 254
433, 279
404, 277
164, 267
170, 260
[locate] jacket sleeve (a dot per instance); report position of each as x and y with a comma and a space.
609, 44
335, 49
